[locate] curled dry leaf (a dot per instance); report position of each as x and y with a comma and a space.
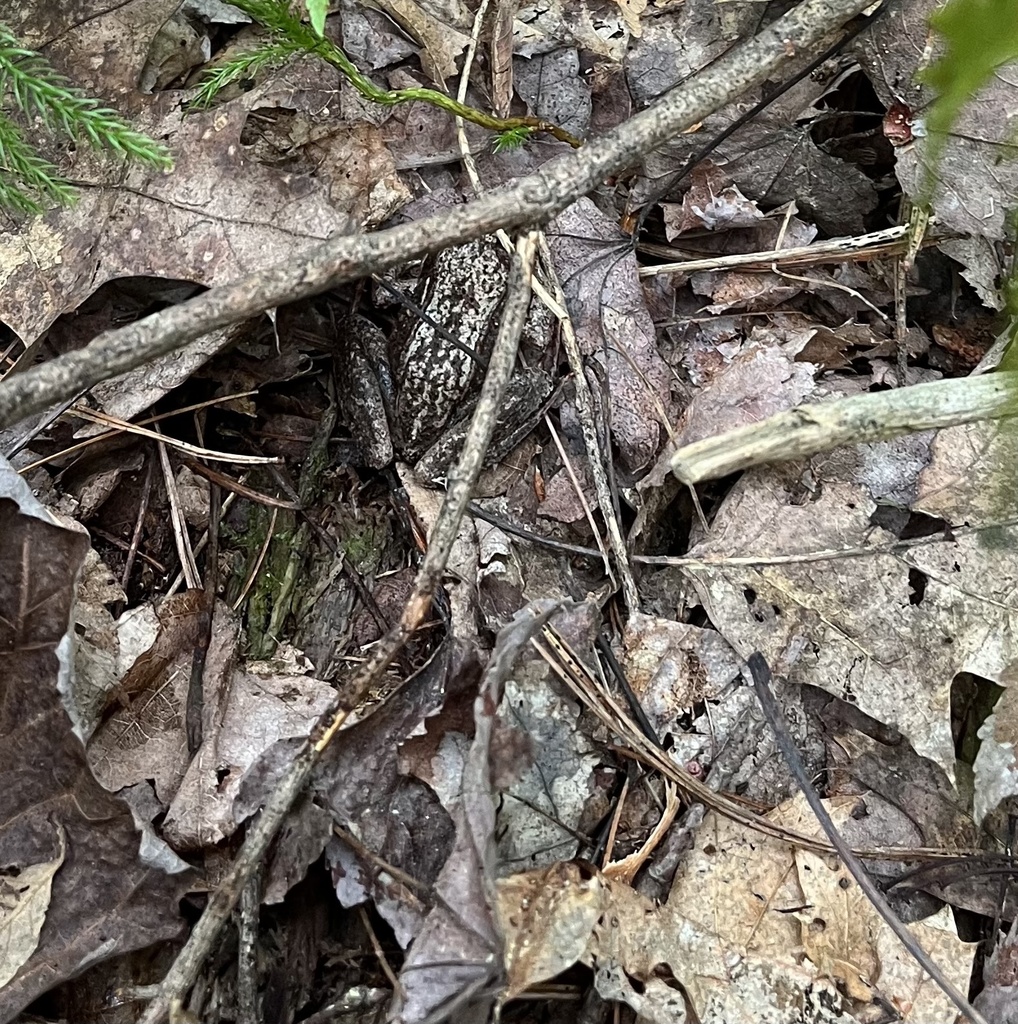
727, 947
24, 900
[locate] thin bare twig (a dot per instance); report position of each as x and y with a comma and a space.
874, 245
596, 459
139, 523
256, 568
248, 920
554, 299
124, 426
107, 434
184, 550
818, 427
587, 510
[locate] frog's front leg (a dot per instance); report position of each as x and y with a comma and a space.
366, 391
527, 398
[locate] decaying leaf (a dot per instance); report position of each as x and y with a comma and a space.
394, 816
976, 177
599, 26
103, 900
440, 42
996, 773
887, 630
547, 917
246, 711
464, 924
142, 734
613, 325
264, 705
24, 900
837, 926
729, 944
543, 807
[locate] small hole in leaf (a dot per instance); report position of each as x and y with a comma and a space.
917, 586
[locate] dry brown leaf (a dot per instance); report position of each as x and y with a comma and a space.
103, 900
757, 382
672, 665
142, 735
598, 26
547, 917
837, 925
545, 806
613, 325
889, 630
845, 937
727, 948
996, 772
265, 704
462, 925
631, 11
393, 815
441, 43
24, 900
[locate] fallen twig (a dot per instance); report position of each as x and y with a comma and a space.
819, 427
761, 673
461, 482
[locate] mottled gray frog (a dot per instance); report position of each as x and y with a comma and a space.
413, 395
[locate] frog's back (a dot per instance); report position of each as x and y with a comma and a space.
462, 291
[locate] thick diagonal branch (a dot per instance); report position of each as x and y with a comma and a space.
531, 201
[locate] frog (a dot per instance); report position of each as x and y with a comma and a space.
411, 396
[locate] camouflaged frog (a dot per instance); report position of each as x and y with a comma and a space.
412, 396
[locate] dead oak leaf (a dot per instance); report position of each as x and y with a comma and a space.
220, 214
547, 917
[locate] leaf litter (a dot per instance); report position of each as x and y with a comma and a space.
481, 835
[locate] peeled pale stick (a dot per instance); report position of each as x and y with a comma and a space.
808, 429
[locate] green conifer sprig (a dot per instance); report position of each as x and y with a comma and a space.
286, 26
244, 65
26, 178
29, 182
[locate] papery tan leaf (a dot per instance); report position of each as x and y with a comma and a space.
631, 11
441, 44
24, 900
547, 918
